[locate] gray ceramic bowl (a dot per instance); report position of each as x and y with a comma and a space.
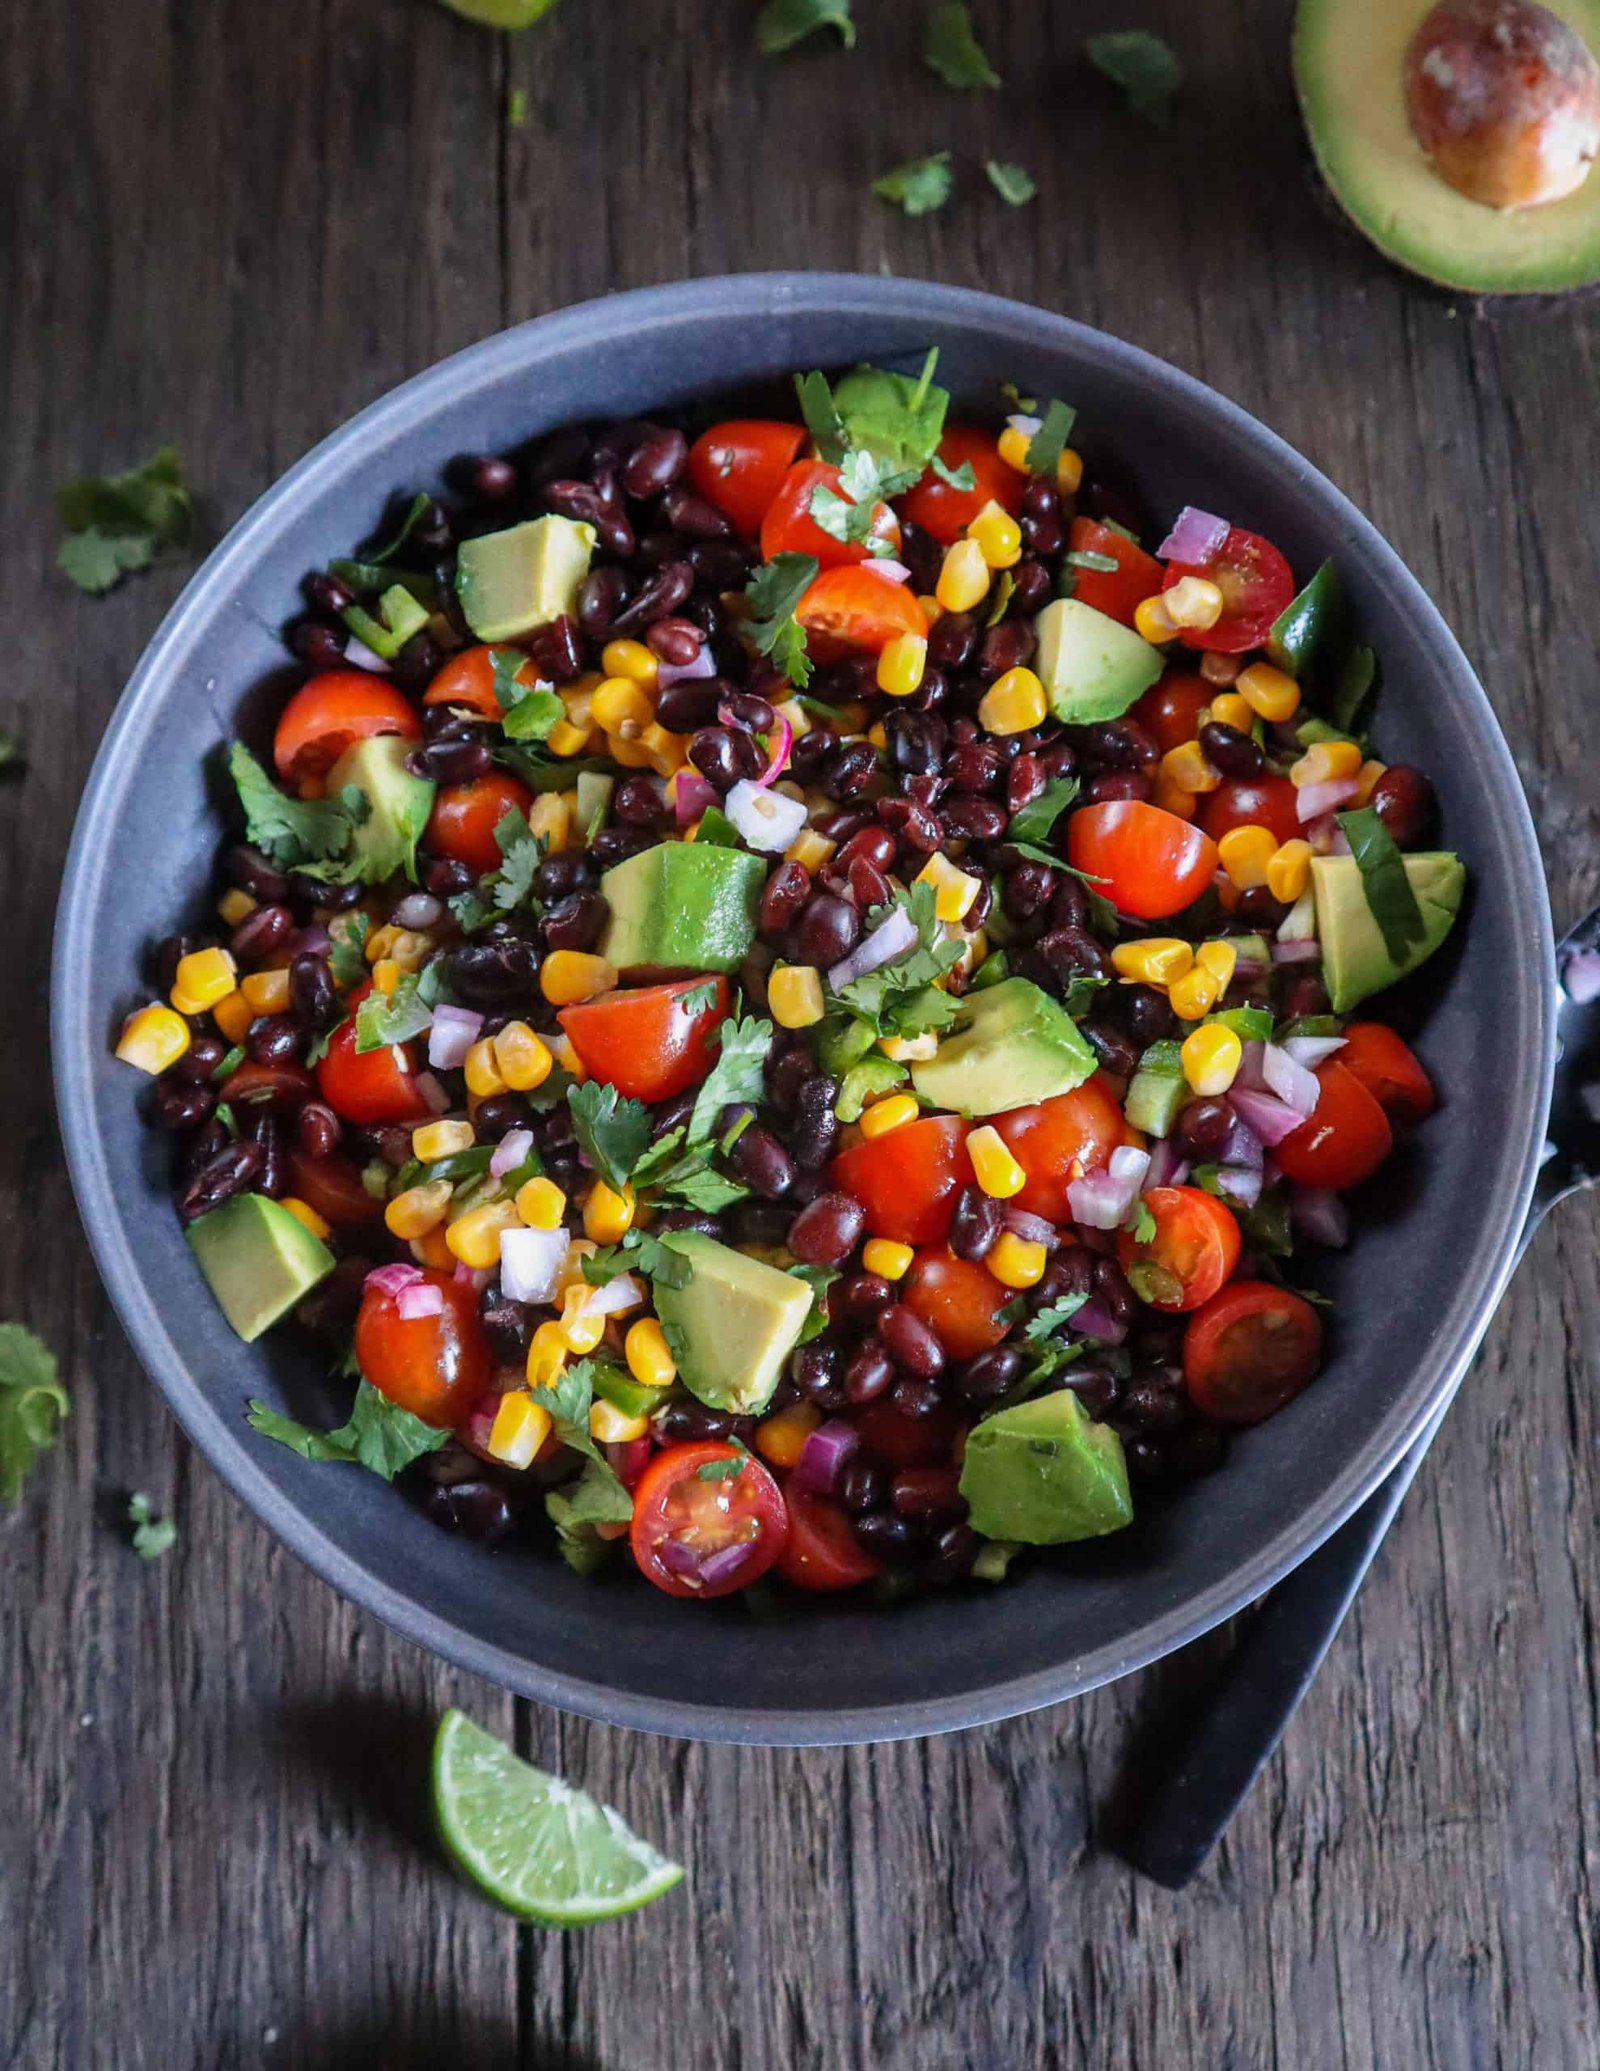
1422, 1279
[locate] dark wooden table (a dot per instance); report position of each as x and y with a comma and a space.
228, 226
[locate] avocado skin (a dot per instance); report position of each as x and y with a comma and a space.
682, 906
258, 1260
1045, 1474
1010, 1045
1355, 958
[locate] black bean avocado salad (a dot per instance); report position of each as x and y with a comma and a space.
786, 998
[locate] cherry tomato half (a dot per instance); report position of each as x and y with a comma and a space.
1264, 801
739, 466
1249, 1350
853, 611
369, 1086
1345, 1141
959, 1299
908, 1180
1058, 1140
789, 528
706, 1535
1391, 1074
645, 1042
1196, 1245
331, 713
467, 680
1120, 591
1149, 863
434, 1366
1256, 582
945, 513
1171, 709
332, 1186
465, 816
822, 1551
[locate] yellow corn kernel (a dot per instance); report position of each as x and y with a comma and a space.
954, 890
1013, 703
235, 906
380, 943
550, 820
566, 738
307, 1216
1326, 762
1016, 1261
431, 1250
153, 1038
410, 949
1220, 669
631, 754
1012, 446
418, 1210
233, 1017
890, 1261
581, 1325
520, 1427
963, 577
607, 1215
621, 706
565, 1053
1289, 871
667, 752
630, 658
1231, 710
1271, 693
385, 975
1187, 767
1219, 958
781, 1439
892, 1112
1211, 1055
1367, 777
483, 1074
877, 734
1172, 798
932, 610
1152, 622
1194, 994
1153, 959
915, 1049
993, 1166
810, 848
430, 1140
541, 1203
998, 535
649, 1357
521, 1057
901, 664
794, 995
609, 1425
569, 975
1069, 472
798, 717
1245, 852
1193, 603
547, 1355
474, 1238
203, 977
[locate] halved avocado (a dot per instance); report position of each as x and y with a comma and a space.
1349, 67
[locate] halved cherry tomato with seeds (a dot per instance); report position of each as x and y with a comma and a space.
707, 1519
853, 611
467, 680
434, 1366
822, 1551
1345, 1141
1264, 801
1147, 861
789, 528
739, 466
465, 816
908, 1180
1256, 582
645, 1042
1171, 709
331, 713
1194, 1249
1386, 1067
943, 512
1249, 1350
959, 1299
1058, 1140
369, 1086
332, 1186
1120, 591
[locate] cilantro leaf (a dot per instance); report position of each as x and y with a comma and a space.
819, 1279
528, 711
736, 1076
394, 1017
569, 1399
1141, 1222
1049, 441
117, 524
896, 418
597, 1497
1390, 899
152, 1535
32, 1403
821, 415
416, 510
919, 186
378, 1436
1143, 65
522, 852
1044, 1326
706, 1190
291, 832
1033, 821
961, 477
638, 1251
97, 561
950, 48
230, 1062
611, 1130
900, 998
1013, 183
847, 513
347, 960
772, 595
701, 996
782, 24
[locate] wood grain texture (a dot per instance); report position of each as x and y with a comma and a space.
228, 226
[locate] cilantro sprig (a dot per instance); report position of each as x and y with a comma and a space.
951, 48
901, 998
772, 595
378, 1436
32, 1404
919, 186
782, 24
116, 525
612, 1130
1143, 65
152, 1535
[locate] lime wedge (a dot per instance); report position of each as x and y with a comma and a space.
532, 1843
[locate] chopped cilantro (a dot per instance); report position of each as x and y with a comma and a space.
900, 998
347, 933
1049, 441
699, 997
117, 524
772, 595
393, 1017
32, 1403
528, 711
1141, 1222
950, 48
597, 1497
847, 513
819, 1279
294, 833
736, 1076
722, 1470
152, 1535
611, 1130
782, 24
230, 1062
1143, 65
919, 186
961, 477
522, 852
821, 416
1033, 821
1013, 183
379, 1436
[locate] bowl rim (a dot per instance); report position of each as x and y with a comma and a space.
221, 1437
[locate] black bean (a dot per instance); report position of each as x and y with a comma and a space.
1304, 995
687, 707
887, 1537
327, 594
910, 1343
952, 642
559, 874
869, 1373
762, 1163
251, 872
1032, 580
180, 1104
1120, 784
639, 802
814, 1131
953, 1554
1069, 904
1231, 752
1257, 908
869, 886
917, 742
859, 1300
850, 769
557, 649
829, 929
508, 1325
862, 1486
782, 898
915, 1398
275, 1039
1008, 645
930, 1492
1041, 498
476, 1509
1024, 781
451, 762
1403, 800
601, 597
975, 1223
660, 597
313, 997
759, 1222
828, 1230
490, 974
655, 464
989, 1374
1065, 954
975, 819
1026, 889
1203, 1127
492, 479
575, 922
317, 1129
616, 844
692, 516
1118, 1053
199, 1062
723, 756
676, 641
318, 645
1110, 1284
233, 1170
720, 564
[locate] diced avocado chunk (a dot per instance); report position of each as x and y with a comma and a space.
398, 804
682, 906
1044, 1473
258, 1261
732, 1325
514, 581
1157, 1090
1009, 1045
390, 623
594, 801
1091, 667
1356, 960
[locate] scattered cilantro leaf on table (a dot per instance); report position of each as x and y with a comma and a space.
379, 1436
116, 525
32, 1404
919, 186
1013, 183
782, 24
951, 48
152, 1535
1143, 65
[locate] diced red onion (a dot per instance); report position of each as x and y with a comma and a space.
1095, 1320
893, 937
1032, 1229
510, 1152
891, 571
1101, 1200
1249, 1077
475, 1277
1264, 1114
703, 665
1128, 1162
615, 1298
628, 1459
782, 742
419, 1298
433, 1093
1243, 1148
825, 1454
358, 655
417, 910
691, 796
1311, 801
681, 1559
1167, 1169
726, 1561
452, 1035
1289, 1079
1321, 834
1195, 537
391, 1279
1312, 1050
1580, 976
1308, 951
767, 820
1241, 1186
532, 1262
1021, 421
1320, 1215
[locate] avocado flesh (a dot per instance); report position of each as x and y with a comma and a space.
512, 582
1010, 1045
258, 1261
398, 804
1044, 1473
1349, 59
682, 906
1356, 961
733, 1324
1091, 667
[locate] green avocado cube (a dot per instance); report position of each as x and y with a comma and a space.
1009, 1045
1091, 666
732, 1325
512, 582
397, 804
1044, 1473
1355, 958
682, 906
258, 1259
